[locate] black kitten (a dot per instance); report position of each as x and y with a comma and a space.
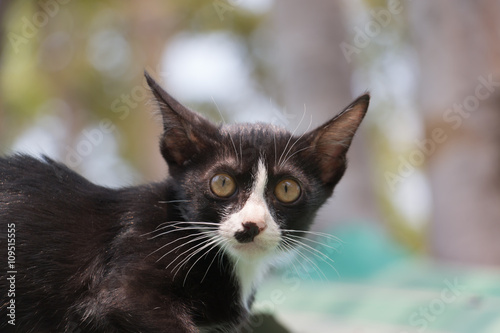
184, 255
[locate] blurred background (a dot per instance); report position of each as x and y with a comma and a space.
418, 211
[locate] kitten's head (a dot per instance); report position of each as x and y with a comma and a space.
255, 181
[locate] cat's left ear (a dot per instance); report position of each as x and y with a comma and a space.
186, 133
331, 141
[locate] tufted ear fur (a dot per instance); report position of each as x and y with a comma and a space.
329, 143
185, 133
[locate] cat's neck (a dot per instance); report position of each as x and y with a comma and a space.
249, 274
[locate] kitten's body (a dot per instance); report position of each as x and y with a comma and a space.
168, 257
94, 264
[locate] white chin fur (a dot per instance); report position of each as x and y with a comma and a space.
254, 258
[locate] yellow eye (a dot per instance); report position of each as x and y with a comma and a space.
287, 191
223, 185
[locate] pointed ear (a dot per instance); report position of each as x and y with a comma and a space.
185, 133
331, 141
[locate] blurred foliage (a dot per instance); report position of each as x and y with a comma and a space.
68, 59
201, 15
391, 44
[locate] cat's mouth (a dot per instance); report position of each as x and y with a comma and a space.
253, 250
250, 247
264, 244
247, 244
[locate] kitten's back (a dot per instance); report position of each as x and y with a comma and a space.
50, 209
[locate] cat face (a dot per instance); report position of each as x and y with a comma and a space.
249, 184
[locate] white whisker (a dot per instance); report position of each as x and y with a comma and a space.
275, 150
175, 224
165, 245
197, 249
195, 246
173, 201
317, 253
312, 250
290, 138
298, 139
213, 244
185, 222
183, 244
295, 153
308, 260
284, 248
175, 230
300, 255
313, 241
196, 222
241, 151
315, 233
221, 250
230, 136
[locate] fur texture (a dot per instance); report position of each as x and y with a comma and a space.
170, 256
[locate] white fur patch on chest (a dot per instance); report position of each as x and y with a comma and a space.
252, 259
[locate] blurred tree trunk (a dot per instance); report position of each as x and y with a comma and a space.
314, 72
459, 48
151, 24
3, 9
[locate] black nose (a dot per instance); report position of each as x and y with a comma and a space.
250, 230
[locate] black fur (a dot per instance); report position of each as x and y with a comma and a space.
85, 255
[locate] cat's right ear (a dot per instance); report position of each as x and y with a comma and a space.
185, 133
331, 141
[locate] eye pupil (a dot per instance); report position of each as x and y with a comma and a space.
287, 191
222, 185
